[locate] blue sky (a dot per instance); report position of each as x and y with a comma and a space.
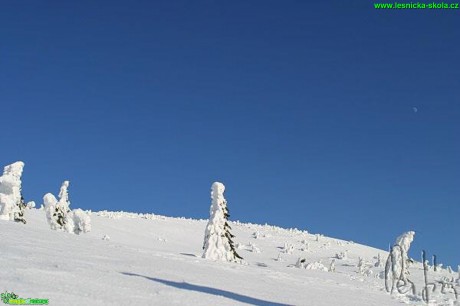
303, 110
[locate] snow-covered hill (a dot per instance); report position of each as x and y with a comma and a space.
132, 259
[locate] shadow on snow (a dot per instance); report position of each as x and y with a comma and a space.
230, 295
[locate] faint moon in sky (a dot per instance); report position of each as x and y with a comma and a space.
415, 109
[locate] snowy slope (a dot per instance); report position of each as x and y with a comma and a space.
154, 260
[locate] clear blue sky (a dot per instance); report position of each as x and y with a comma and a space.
303, 110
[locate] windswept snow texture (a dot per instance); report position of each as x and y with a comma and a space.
136, 259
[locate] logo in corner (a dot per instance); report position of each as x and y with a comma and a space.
11, 298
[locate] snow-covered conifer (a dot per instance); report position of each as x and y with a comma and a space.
403, 243
64, 201
288, 248
379, 262
12, 203
317, 265
254, 248
54, 220
60, 216
342, 255
332, 265
81, 220
361, 265
218, 243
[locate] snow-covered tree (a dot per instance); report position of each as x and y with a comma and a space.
361, 265
332, 265
379, 262
342, 255
397, 265
404, 241
53, 214
64, 201
81, 220
218, 243
60, 216
12, 203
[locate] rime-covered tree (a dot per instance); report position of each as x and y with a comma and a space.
55, 221
60, 216
12, 203
218, 240
19, 211
64, 200
401, 250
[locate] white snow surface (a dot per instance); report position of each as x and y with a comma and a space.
155, 260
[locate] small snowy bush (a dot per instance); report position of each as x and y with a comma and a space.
30, 204
332, 266
81, 221
342, 255
379, 263
288, 248
253, 248
316, 266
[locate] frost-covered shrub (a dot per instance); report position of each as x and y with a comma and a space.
253, 248
332, 266
59, 215
12, 203
317, 265
305, 247
288, 248
361, 265
379, 263
342, 255
30, 204
81, 221
218, 243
